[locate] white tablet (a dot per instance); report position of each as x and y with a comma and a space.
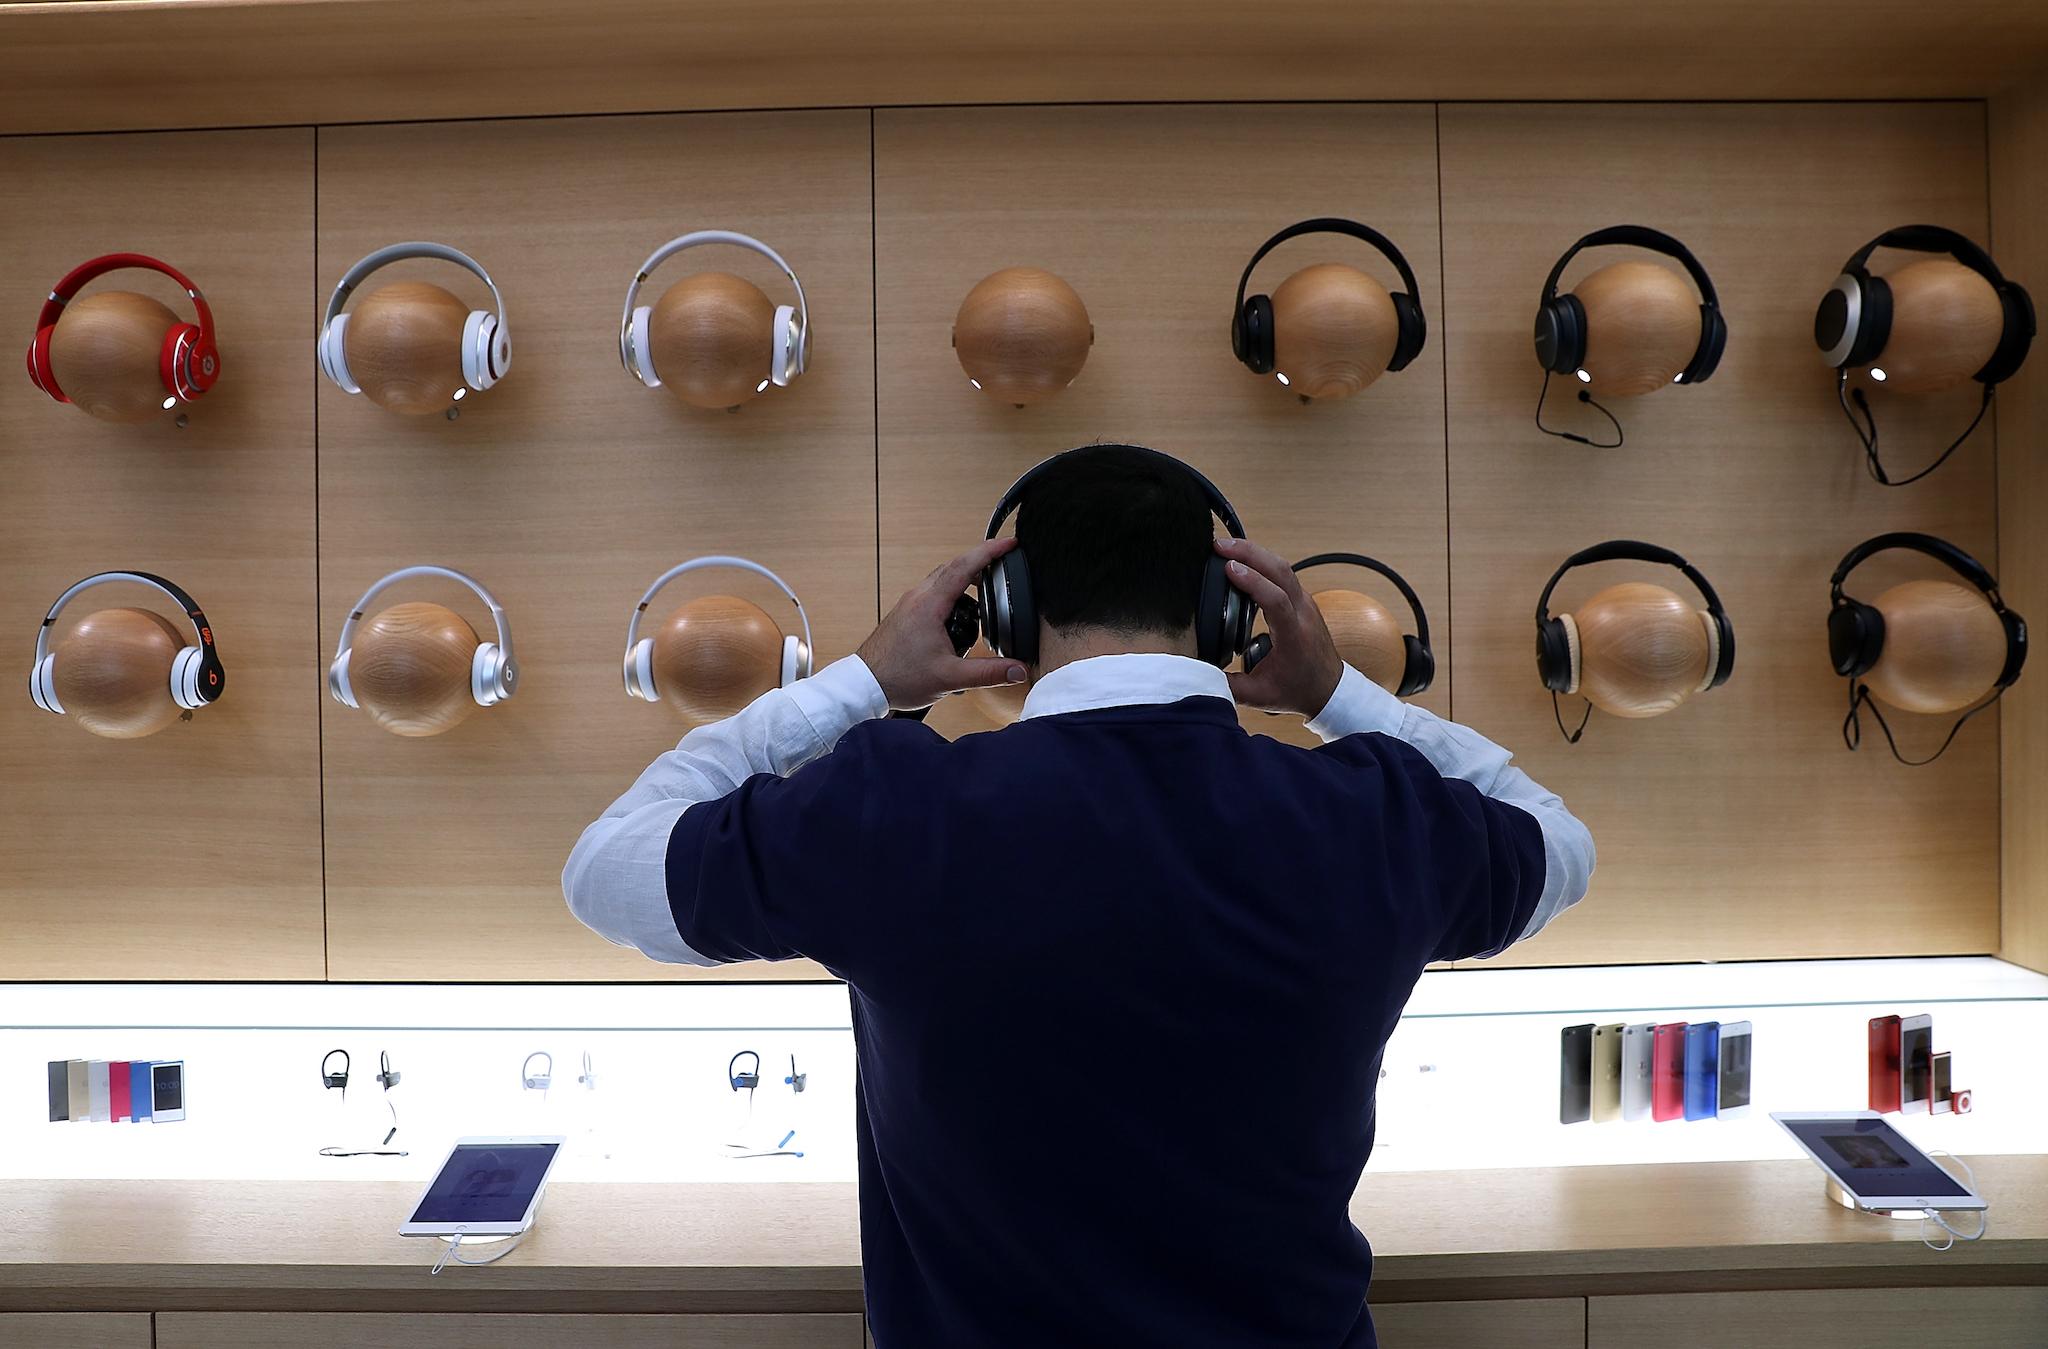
489, 1186
1874, 1163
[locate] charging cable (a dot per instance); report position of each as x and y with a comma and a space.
1929, 1215
454, 1252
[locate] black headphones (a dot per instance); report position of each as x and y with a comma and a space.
1561, 319
1557, 639
1856, 629
1854, 319
1009, 614
1420, 666
1251, 321
334, 1081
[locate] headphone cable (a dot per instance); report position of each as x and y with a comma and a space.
1571, 737
1586, 398
1852, 725
1866, 431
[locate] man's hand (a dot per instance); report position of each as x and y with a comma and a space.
910, 654
1303, 669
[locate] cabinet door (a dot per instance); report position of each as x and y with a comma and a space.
1532, 1323
377, 1330
1877, 1318
76, 1330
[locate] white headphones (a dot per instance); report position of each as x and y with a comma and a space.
196, 674
493, 674
542, 1080
486, 341
639, 664
792, 326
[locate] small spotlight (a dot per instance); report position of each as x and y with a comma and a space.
1877, 374
460, 394
1585, 378
762, 387
170, 403
975, 382
1281, 377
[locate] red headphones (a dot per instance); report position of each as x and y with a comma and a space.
190, 363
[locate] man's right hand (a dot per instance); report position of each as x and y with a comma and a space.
1301, 673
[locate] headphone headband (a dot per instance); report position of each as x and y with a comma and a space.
1332, 225
1375, 565
384, 257
1628, 550
714, 560
1219, 505
348, 627
1638, 236
209, 659
64, 291
1941, 550
695, 239
1931, 239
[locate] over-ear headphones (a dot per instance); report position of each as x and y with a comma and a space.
537, 1081
493, 673
743, 1081
639, 663
1856, 629
1418, 669
334, 1081
1854, 318
189, 363
1561, 319
792, 326
197, 677
1251, 321
1009, 613
1557, 639
486, 340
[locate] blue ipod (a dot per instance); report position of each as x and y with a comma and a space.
1702, 1069
138, 1090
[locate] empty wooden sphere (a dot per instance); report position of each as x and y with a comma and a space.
1943, 647
410, 668
1333, 331
107, 355
1946, 321
1368, 636
113, 672
1022, 334
1642, 649
1001, 704
1642, 327
404, 347
715, 655
712, 339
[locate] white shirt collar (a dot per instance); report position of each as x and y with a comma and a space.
1128, 680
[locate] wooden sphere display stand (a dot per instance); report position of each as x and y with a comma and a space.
1022, 335
410, 667
712, 339
112, 673
715, 655
1642, 327
1367, 634
404, 347
1943, 647
1946, 322
1643, 650
1334, 331
107, 355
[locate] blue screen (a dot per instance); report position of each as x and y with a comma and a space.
1872, 1159
486, 1183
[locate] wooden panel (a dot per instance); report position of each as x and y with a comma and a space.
369, 1330
151, 63
2019, 234
567, 489
1151, 214
76, 1330
1532, 1323
1737, 826
1878, 1318
194, 853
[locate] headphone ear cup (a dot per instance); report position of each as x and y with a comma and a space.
2015, 647
796, 662
337, 680
1855, 637
1257, 650
185, 679
1557, 653
1419, 672
1713, 340
1723, 648
1412, 330
1257, 326
483, 675
39, 372
643, 347
42, 685
480, 350
174, 362
333, 351
1216, 617
1875, 327
1019, 626
640, 671
1563, 322
783, 365
2014, 338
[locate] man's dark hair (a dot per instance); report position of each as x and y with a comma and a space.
1115, 537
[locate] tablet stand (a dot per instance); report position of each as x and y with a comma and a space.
1848, 1201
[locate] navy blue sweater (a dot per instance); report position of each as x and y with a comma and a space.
1121, 983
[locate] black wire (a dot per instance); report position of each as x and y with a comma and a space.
1586, 398
1852, 725
1866, 431
1570, 737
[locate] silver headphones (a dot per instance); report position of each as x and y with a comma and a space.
493, 673
486, 341
792, 332
196, 674
639, 662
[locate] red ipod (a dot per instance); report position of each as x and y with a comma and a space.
119, 1104
1884, 1063
1667, 1072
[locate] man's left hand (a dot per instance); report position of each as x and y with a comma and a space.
910, 654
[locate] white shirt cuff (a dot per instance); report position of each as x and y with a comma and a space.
839, 697
1358, 707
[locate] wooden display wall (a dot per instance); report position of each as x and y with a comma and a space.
280, 836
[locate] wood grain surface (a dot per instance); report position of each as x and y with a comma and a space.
1022, 335
204, 838
76, 1330
389, 1330
409, 668
112, 672
1740, 824
403, 344
1946, 322
1334, 330
1943, 647
713, 339
1871, 1318
107, 354
1642, 327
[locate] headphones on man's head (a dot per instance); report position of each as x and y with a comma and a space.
486, 340
639, 664
1251, 321
1009, 612
792, 326
1419, 667
197, 677
189, 362
493, 673
1561, 319
1856, 629
1854, 318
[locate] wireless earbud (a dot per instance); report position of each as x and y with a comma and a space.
541, 1080
796, 1081
387, 1076
334, 1080
197, 677
639, 662
743, 1081
486, 338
